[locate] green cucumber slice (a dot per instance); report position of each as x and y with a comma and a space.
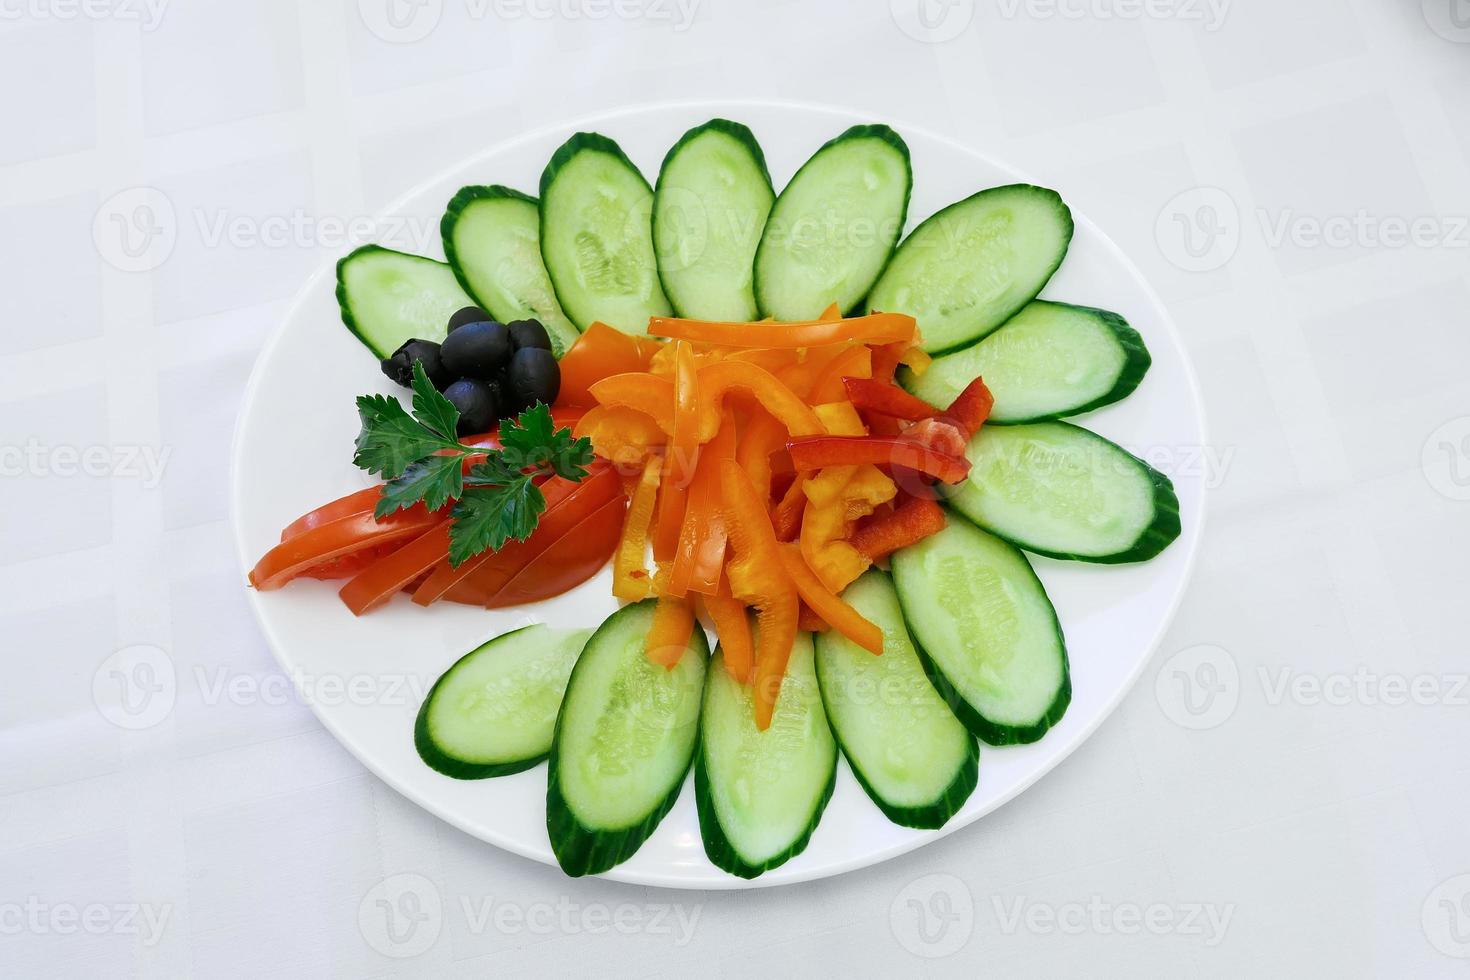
907, 749
389, 297
493, 713
833, 228
1048, 361
623, 743
1059, 490
492, 239
985, 631
596, 238
709, 209
970, 267
761, 794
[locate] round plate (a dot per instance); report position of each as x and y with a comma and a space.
365, 677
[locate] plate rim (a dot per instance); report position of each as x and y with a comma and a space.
1190, 538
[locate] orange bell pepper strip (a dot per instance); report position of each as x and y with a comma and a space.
623, 435
719, 378
601, 351
816, 452
387, 576
758, 579
630, 573
874, 328
763, 437
826, 604
915, 519
642, 392
673, 501
830, 517
684, 446
886, 398
732, 626
809, 622
668, 636
701, 553
786, 515
856, 362
337, 539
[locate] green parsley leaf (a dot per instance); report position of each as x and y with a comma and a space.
534, 440
490, 516
390, 439
432, 409
435, 480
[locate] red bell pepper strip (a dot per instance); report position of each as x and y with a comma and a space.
886, 398
337, 539
970, 408
817, 452
877, 328
826, 604
600, 352
387, 576
570, 560
915, 519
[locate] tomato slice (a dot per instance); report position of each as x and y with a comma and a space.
381, 580
336, 539
358, 502
570, 560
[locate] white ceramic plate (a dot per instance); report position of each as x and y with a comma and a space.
312, 368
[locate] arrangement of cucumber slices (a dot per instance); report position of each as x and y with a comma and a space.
973, 649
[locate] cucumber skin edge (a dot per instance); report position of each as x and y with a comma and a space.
741, 134
989, 732
350, 321
929, 816
863, 130
717, 846
581, 850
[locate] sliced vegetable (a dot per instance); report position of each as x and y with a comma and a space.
761, 793
910, 522
970, 408
833, 228
1059, 490
337, 539
569, 561
732, 626
630, 571
700, 558
492, 240
624, 740
815, 452
358, 502
686, 437
595, 235
601, 352
906, 748
668, 634
1048, 361
826, 604
717, 380
388, 298
971, 266
874, 328
986, 632
494, 712
388, 576
883, 397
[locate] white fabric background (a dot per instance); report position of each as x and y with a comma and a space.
1265, 772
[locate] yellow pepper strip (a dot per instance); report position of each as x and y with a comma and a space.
630, 573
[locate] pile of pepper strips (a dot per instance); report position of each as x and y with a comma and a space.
769, 464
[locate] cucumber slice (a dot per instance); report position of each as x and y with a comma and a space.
761, 794
833, 228
986, 632
492, 239
494, 711
970, 267
709, 209
907, 749
1049, 360
596, 238
1061, 491
388, 297
623, 743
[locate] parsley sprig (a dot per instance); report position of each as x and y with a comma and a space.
422, 460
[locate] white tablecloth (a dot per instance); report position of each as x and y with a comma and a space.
1283, 794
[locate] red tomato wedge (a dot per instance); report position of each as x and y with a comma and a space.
387, 576
358, 502
336, 539
569, 561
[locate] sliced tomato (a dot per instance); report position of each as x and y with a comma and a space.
569, 561
385, 577
359, 502
334, 540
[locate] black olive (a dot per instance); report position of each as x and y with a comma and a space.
528, 333
470, 314
399, 367
478, 404
533, 377
477, 350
